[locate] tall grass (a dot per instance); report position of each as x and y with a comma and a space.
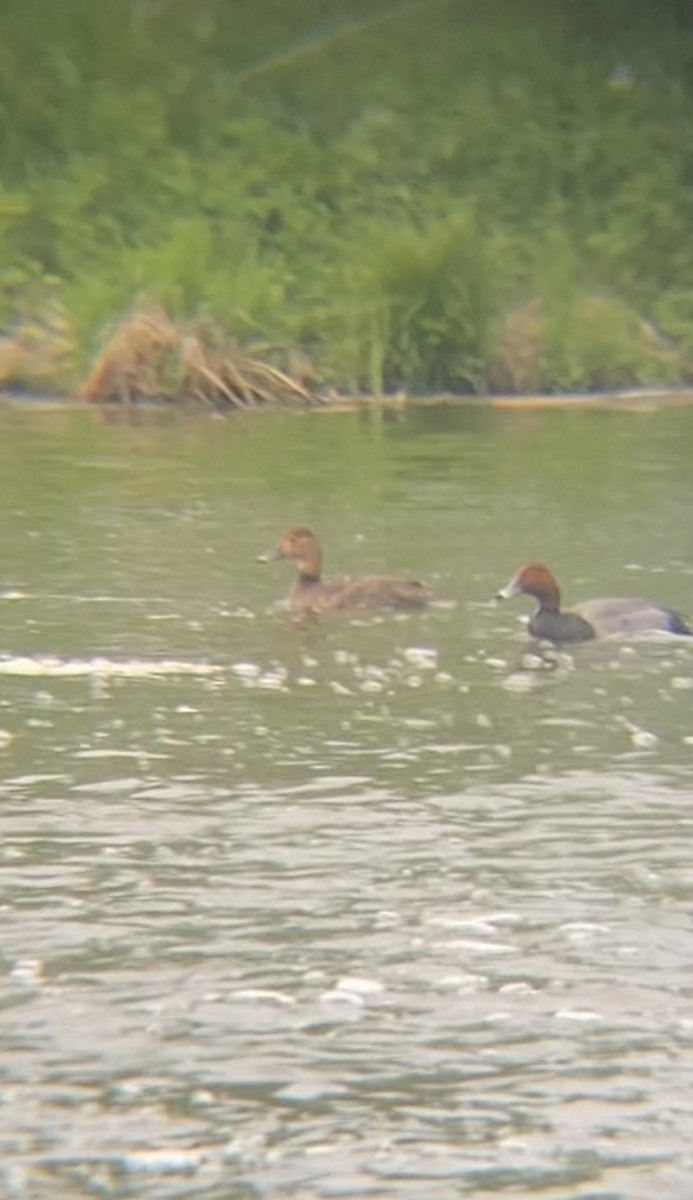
413, 304
412, 194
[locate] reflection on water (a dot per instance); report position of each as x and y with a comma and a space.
381, 906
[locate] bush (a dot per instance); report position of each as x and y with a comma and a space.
403, 192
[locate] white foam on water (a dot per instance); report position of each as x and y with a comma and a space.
162, 1162
132, 668
359, 986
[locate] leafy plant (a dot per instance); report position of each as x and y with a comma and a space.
397, 191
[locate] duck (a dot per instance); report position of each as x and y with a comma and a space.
311, 593
591, 618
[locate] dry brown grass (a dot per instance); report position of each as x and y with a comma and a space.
518, 353
149, 356
595, 338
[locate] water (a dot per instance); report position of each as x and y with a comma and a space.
384, 906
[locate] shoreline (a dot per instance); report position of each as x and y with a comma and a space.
645, 399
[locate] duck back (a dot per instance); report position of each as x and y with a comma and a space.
630, 615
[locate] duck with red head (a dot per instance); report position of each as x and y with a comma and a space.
311, 593
591, 618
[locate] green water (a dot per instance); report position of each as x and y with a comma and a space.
381, 906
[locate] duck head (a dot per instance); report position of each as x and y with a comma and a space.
300, 544
536, 580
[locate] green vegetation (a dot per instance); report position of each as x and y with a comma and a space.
417, 194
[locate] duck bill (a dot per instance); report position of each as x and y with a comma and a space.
270, 555
511, 589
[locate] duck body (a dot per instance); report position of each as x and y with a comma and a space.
598, 618
360, 591
311, 593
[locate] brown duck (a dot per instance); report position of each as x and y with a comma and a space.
311, 593
592, 618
